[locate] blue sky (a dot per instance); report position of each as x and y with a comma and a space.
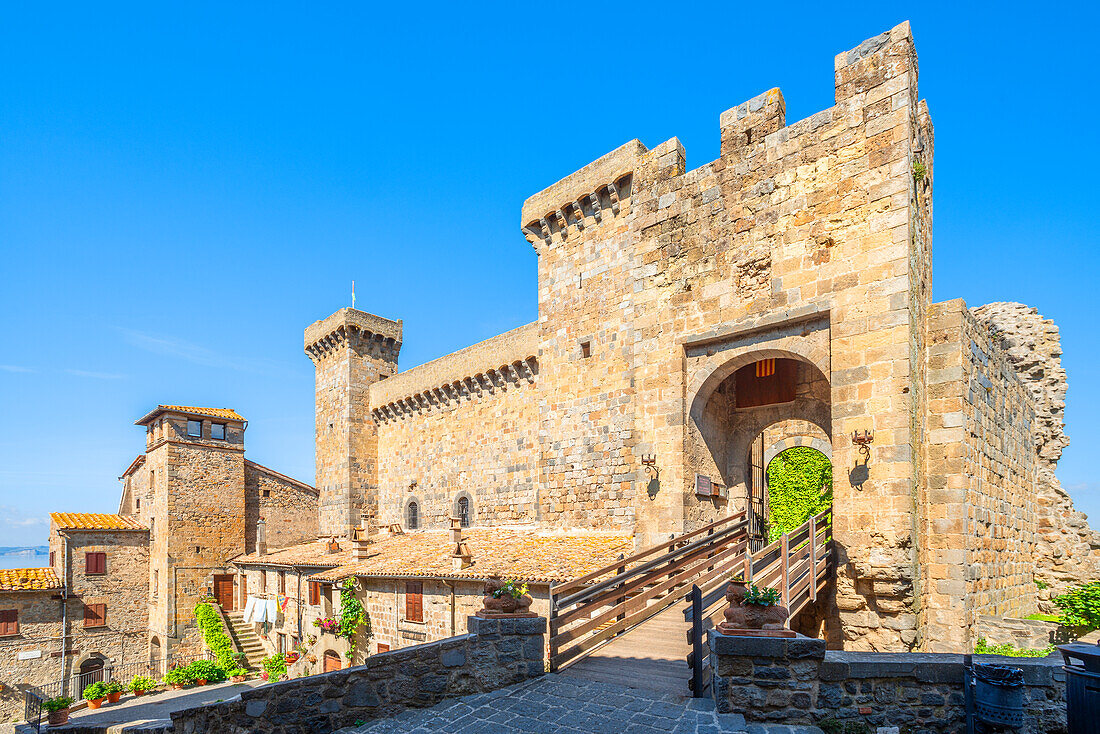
183, 190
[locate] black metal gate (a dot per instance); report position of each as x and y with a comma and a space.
756, 500
32, 708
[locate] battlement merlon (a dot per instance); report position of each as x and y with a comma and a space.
323, 336
885, 56
587, 189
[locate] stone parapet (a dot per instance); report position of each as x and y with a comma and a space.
796, 681
321, 335
495, 654
482, 366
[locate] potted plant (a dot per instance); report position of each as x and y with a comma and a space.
505, 599
206, 671
237, 675
58, 709
328, 624
95, 694
754, 611
114, 691
178, 677
142, 683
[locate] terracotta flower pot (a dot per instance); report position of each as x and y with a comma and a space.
139, 693
745, 619
201, 681
95, 703
177, 686
113, 697
291, 657
59, 717
238, 678
505, 605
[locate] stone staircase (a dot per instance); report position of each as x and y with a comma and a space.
247, 640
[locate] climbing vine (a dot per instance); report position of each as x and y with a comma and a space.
800, 485
352, 616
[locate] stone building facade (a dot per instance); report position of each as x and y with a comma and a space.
687, 314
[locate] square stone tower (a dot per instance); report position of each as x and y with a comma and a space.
351, 350
195, 471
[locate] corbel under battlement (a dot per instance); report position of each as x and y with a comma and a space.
598, 191
329, 335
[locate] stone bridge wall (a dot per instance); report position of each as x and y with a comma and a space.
497, 653
797, 682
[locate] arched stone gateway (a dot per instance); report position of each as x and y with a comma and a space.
331, 661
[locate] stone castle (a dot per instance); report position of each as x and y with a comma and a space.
781, 292
691, 326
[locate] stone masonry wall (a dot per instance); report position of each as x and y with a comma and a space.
797, 682
38, 640
978, 521
495, 654
1068, 550
288, 508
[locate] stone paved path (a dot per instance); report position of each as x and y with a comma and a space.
558, 704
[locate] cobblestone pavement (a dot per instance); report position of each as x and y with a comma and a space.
557, 704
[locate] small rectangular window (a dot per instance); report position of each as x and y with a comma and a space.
95, 615
217, 430
95, 564
267, 493
282, 582
156, 583
414, 601
137, 503
586, 350
51, 559
194, 428
9, 622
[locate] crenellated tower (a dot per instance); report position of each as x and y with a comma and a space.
350, 350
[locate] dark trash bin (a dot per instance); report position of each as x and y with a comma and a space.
1082, 686
998, 693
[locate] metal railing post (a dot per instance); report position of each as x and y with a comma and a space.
785, 552
697, 687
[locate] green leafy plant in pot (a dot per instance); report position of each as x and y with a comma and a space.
114, 691
94, 694
58, 709
142, 683
178, 677
754, 611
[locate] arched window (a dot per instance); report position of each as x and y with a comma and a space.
412, 516
463, 507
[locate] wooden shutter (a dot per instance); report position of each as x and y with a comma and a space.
414, 601
383, 647
282, 582
314, 592
9, 622
95, 615
95, 563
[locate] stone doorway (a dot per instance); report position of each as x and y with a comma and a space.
332, 661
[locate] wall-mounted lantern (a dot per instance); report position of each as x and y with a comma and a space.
649, 461
863, 441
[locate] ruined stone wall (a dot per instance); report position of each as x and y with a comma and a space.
288, 508
350, 350
1067, 550
978, 522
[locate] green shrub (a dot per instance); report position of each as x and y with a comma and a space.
233, 672
213, 633
800, 485
114, 687
56, 704
1009, 650
275, 666
766, 597
179, 676
206, 670
94, 691
1081, 606
142, 683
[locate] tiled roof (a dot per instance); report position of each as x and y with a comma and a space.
134, 464
94, 521
28, 579
313, 553
227, 413
520, 554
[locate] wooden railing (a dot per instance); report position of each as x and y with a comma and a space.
587, 612
797, 564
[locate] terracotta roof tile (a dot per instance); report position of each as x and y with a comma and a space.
313, 553
520, 554
28, 579
227, 413
94, 521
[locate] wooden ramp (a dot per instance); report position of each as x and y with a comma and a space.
652, 656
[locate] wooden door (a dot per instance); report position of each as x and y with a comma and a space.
243, 586
332, 661
757, 499
223, 591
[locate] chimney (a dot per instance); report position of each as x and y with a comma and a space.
461, 557
261, 537
361, 538
332, 546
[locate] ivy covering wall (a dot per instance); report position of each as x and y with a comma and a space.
800, 485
